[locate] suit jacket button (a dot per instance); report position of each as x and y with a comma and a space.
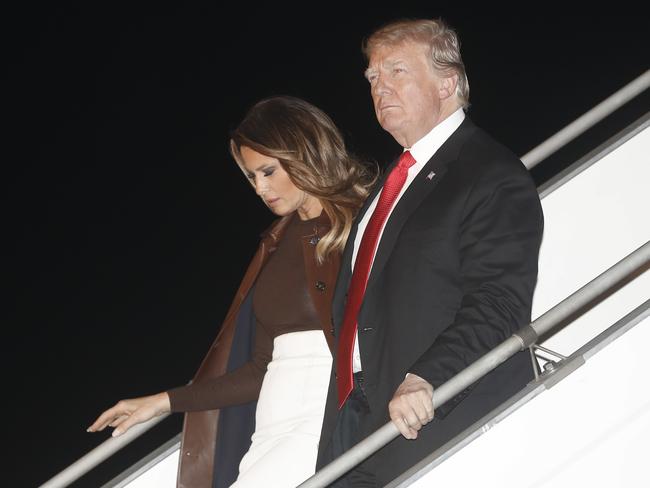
320, 285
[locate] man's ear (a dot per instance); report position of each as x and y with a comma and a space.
447, 86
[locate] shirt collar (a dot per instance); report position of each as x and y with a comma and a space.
426, 147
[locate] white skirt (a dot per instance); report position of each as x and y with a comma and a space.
289, 413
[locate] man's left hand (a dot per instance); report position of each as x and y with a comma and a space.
412, 406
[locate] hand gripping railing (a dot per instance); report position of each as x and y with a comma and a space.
519, 341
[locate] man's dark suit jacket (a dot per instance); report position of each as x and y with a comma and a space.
453, 277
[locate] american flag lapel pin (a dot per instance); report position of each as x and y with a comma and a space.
430, 176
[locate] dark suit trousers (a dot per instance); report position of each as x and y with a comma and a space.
346, 435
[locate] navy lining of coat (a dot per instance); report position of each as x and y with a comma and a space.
236, 423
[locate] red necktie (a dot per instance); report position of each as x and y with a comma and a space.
392, 187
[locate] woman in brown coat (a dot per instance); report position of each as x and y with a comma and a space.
273, 345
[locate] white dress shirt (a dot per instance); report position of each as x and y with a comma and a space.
422, 151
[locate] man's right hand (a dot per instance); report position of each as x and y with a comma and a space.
412, 405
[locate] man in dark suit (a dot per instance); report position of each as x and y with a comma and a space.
439, 268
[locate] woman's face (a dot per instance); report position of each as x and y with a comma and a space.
275, 188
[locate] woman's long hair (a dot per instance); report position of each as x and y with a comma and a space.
311, 150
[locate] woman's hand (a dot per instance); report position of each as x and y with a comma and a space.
126, 413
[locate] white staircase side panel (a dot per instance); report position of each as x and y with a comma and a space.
592, 222
160, 473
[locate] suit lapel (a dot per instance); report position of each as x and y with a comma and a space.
345, 273
423, 184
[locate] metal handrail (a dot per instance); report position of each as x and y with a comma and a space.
99, 454
586, 121
530, 159
554, 372
519, 341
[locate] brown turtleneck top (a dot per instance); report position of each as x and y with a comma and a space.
281, 304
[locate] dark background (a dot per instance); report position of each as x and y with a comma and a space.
127, 226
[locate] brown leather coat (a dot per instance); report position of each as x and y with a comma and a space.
197, 451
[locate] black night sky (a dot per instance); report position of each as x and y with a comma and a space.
127, 226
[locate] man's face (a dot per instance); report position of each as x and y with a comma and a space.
405, 91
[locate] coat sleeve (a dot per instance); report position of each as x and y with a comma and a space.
235, 387
499, 238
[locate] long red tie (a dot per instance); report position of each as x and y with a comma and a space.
392, 187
